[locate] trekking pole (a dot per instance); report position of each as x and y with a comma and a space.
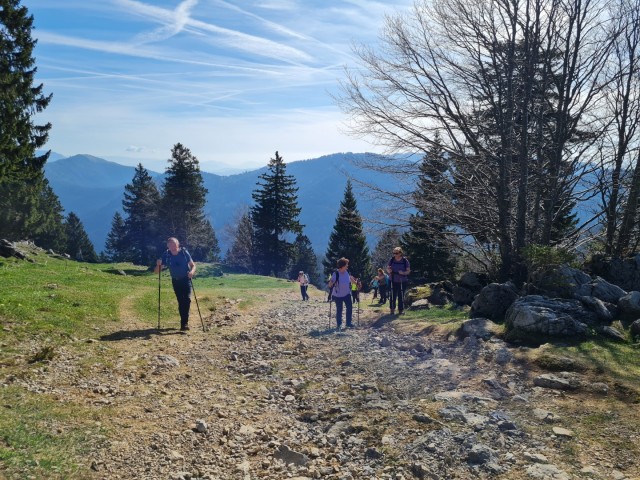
159, 272
197, 305
358, 309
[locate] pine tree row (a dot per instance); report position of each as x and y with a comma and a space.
153, 215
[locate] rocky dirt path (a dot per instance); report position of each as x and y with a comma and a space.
279, 394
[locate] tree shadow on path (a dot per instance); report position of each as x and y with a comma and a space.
145, 334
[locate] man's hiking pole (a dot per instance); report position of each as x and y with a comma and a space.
358, 309
197, 305
159, 272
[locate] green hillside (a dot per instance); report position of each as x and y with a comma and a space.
52, 310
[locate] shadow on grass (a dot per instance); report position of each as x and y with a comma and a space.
128, 272
145, 334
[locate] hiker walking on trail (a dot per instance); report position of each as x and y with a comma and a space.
356, 286
399, 270
340, 288
303, 280
374, 286
182, 268
383, 285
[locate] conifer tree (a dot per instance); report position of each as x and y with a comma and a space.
21, 176
275, 216
48, 229
383, 250
305, 260
79, 247
182, 207
240, 255
140, 204
207, 248
116, 246
347, 239
424, 243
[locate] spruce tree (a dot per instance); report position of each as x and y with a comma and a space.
116, 246
21, 175
347, 239
140, 204
49, 230
79, 247
275, 216
207, 248
424, 243
182, 207
383, 250
240, 255
305, 260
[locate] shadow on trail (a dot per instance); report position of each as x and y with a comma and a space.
322, 333
383, 320
145, 334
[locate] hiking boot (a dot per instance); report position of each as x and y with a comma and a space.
392, 311
184, 328
400, 312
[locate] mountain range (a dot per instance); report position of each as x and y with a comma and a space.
93, 189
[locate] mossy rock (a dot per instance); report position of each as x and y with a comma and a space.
555, 363
418, 293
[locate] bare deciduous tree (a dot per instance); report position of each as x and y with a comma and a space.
510, 90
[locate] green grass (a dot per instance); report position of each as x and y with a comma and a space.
619, 360
33, 445
441, 320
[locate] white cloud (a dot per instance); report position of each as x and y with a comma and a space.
175, 25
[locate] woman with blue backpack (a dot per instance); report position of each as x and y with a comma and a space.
399, 270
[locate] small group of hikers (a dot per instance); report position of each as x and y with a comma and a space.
380, 284
342, 286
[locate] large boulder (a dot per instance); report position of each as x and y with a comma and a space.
463, 296
629, 305
622, 272
440, 293
562, 281
600, 288
473, 281
494, 300
597, 306
635, 329
543, 316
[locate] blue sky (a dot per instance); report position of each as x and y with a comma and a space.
234, 81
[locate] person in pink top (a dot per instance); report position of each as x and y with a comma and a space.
340, 287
